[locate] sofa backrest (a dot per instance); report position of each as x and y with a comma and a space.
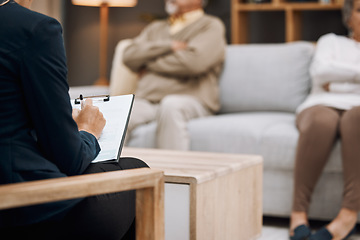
265, 77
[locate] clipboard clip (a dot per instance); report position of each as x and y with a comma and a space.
102, 98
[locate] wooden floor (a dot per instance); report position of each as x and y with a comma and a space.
277, 229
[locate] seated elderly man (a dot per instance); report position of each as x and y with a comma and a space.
178, 62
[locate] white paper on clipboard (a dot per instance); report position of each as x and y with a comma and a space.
116, 111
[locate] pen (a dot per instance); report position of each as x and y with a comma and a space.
81, 101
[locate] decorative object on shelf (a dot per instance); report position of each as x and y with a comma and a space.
104, 18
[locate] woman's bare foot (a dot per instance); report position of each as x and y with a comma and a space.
344, 222
297, 219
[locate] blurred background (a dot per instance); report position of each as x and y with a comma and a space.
81, 29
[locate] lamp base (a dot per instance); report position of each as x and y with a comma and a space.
102, 82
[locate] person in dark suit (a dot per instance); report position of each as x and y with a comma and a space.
41, 138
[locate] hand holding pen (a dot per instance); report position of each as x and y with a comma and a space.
76, 111
89, 118
81, 101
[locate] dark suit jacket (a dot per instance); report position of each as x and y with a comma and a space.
38, 137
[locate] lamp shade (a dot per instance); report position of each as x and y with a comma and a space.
110, 3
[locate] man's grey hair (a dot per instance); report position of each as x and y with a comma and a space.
347, 12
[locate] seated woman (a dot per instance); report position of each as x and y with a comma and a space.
331, 112
41, 139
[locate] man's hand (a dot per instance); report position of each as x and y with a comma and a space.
142, 72
177, 45
75, 113
89, 119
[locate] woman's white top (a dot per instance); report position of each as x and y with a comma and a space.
336, 61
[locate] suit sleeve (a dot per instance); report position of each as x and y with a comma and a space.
44, 81
144, 49
204, 50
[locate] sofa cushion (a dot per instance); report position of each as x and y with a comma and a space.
279, 141
143, 136
270, 134
265, 77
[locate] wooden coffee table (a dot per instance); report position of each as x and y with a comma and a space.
208, 196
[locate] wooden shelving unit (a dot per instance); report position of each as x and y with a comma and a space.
293, 16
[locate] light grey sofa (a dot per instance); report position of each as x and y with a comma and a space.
260, 88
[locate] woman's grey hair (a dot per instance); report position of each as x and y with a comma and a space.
347, 12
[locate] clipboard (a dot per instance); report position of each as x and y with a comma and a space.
116, 111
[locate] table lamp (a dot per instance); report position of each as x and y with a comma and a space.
104, 18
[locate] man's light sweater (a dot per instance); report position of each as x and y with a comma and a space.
336, 61
193, 71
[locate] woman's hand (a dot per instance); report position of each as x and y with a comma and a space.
326, 87
89, 119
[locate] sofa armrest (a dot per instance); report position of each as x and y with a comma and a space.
148, 183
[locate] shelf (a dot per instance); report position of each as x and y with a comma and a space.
293, 16
286, 6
